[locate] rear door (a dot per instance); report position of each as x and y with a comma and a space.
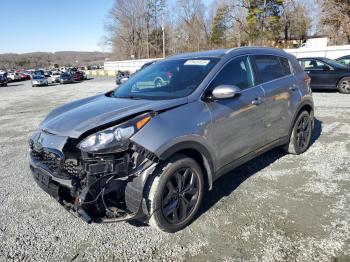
275, 75
238, 127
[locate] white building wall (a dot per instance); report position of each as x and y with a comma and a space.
331, 52
126, 65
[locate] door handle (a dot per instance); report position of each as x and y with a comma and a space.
257, 101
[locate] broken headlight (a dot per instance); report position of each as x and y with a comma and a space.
116, 137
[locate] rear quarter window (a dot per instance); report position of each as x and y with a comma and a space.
271, 67
285, 65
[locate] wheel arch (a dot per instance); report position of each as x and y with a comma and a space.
340, 78
305, 105
199, 153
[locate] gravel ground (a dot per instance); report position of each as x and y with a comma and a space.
277, 207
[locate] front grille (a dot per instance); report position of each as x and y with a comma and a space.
53, 162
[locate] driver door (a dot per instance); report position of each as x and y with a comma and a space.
238, 126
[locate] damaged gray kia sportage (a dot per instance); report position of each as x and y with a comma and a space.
150, 149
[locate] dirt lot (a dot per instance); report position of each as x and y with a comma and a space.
275, 208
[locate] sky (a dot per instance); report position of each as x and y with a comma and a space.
49, 25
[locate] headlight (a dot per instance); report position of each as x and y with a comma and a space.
116, 137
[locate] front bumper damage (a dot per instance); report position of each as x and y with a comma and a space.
95, 187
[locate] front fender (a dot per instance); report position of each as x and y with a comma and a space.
184, 127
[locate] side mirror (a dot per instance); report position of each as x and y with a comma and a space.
225, 92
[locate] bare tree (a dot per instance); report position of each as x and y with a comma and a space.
147, 28
192, 23
335, 20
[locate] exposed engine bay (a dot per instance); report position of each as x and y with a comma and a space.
98, 187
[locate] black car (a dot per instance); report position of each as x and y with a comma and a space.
326, 73
345, 60
3, 80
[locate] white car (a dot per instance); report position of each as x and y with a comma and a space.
39, 80
55, 77
12, 76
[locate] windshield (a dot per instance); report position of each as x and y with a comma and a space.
168, 79
38, 77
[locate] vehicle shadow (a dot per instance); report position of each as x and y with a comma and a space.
316, 132
9, 85
229, 182
316, 90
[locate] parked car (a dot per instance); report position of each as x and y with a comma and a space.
66, 78
13, 76
39, 80
327, 74
345, 60
3, 80
84, 74
47, 74
150, 153
55, 77
24, 76
78, 76
122, 77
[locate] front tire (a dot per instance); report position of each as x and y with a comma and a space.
174, 193
300, 136
344, 85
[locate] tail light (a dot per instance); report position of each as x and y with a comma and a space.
307, 79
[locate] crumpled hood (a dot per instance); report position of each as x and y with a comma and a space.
76, 118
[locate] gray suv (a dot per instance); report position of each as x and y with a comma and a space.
150, 149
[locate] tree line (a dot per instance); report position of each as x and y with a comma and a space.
45, 59
136, 28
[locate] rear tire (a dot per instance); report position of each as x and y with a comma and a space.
300, 136
174, 193
344, 85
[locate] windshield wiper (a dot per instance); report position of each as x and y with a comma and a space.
129, 97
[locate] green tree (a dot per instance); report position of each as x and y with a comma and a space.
263, 19
219, 27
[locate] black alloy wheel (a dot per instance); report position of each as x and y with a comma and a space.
303, 132
174, 193
180, 195
300, 136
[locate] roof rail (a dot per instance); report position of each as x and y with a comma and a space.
229, 50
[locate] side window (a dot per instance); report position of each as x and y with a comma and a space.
269, 67
285, 65
313, 64
238, 72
